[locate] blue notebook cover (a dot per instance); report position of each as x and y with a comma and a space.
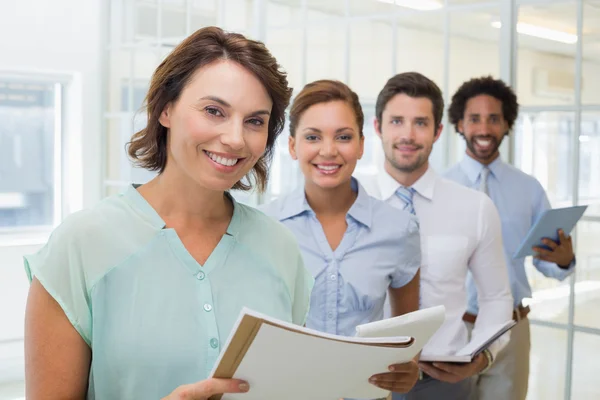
547, 226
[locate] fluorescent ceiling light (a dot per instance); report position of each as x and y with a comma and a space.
421, 5
541, 32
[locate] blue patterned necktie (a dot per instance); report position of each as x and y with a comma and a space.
406, 195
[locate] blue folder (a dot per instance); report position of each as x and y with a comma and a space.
547, 226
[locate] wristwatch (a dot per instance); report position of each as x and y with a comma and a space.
490, 360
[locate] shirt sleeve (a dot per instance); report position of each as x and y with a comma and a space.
489, 271
410, 255
548, 269
58, 266
303, 287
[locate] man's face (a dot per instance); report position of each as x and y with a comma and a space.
483, 126
408, 131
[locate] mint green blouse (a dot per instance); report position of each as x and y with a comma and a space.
153, 316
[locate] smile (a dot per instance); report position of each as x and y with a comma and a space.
227, 162
328, 169
483, 143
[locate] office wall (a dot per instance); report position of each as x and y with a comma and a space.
55, 38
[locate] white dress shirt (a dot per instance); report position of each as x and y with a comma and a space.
460, 232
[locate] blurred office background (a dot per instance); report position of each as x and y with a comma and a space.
73, 75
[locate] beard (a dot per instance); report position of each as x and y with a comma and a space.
408, 166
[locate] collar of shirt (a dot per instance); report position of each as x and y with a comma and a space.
148, 213
360, 211
472, 168
424, 186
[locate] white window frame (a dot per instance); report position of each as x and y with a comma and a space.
38, 234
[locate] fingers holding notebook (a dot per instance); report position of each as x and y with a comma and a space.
400, 379
203, 390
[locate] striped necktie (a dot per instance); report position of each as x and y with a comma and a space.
483, 180
406, 195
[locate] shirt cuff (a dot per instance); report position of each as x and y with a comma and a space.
571, 264
499, 344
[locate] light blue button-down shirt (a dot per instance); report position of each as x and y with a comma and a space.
152, 315
380, 249
520, 200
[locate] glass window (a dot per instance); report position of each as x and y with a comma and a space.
238, 16
474, 52
30, 156
471, 33
285, 175
286, 46
589, 158
370, 40
288, 14
420, 44
129, 76
170, 21
120, 171
587, 286
372, 158
585, 377
318, 10
361, 8
544, 151
590, 86
546, 53
547, 363
325, 58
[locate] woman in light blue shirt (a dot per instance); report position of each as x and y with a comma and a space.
357, 247
135, 297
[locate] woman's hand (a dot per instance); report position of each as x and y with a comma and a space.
203, 390
400, 379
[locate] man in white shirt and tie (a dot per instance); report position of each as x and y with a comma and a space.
460, 232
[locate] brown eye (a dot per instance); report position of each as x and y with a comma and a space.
256, 121
213, 111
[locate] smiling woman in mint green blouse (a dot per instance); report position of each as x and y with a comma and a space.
134, 298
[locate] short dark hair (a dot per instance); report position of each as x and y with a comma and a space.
324, 91
412, 84
484, 85
148, 147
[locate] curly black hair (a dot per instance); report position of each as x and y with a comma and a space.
484, 85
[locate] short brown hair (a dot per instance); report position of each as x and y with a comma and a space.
412, 84
148, 147
484, 85
324, 91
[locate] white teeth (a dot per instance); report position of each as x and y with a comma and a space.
328, 167
483, 142
228, 162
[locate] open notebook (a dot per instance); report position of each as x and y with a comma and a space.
477, 344
414, 323
284, 361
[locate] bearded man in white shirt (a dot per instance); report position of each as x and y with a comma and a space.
460, 233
